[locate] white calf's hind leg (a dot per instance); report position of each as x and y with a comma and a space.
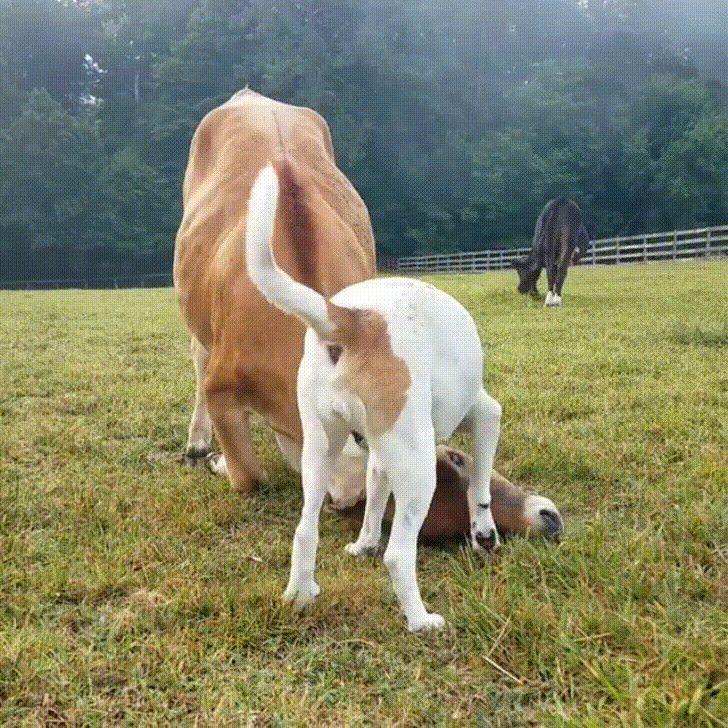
413, 485
377, 495
199, 439
318, 460
484, 423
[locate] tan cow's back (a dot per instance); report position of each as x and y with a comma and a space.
323, 237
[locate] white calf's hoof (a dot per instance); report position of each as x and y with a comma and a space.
362, 549
549, 299
428, 622
195, 454
556, 300
301, 594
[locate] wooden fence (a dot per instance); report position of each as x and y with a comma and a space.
676, 245
142, 280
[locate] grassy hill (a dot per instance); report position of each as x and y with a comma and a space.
135, 591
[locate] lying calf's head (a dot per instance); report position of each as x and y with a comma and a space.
515, 511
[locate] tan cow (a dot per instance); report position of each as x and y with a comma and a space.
246, 352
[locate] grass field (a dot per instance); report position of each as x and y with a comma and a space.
134, 591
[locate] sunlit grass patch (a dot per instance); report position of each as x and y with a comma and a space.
135, 591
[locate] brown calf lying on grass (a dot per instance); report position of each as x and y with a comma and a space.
516, 512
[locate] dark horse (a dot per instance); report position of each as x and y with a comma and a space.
559, 238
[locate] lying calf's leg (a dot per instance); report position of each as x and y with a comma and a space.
290, 450
217, 465
349, 484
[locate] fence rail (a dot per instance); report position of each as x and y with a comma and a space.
674, 245
142, 280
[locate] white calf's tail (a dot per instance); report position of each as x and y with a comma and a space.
275, 284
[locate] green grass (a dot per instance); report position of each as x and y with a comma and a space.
134, 591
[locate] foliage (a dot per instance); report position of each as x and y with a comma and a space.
455, 124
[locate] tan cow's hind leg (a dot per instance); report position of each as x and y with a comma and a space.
230, 417
199, 439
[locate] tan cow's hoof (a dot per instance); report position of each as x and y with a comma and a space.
193, 456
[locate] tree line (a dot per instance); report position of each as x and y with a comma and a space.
456, 121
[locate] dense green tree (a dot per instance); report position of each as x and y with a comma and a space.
457, 122
50, 172
691, 175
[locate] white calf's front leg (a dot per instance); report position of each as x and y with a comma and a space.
318, 459
377, 495
484, 423
412, 475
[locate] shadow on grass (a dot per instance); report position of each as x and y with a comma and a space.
712, 333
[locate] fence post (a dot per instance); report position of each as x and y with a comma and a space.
594, 253
674, 245
644, 249
707, 244
617, 251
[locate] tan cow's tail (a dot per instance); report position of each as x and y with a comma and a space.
275, 284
